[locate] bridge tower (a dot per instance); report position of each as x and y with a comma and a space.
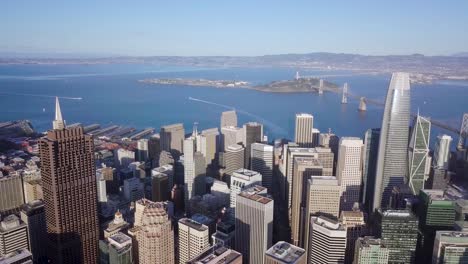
297, 76
362, 104
463, 132
321, 87
344, 97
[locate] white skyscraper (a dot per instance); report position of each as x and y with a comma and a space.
254, 224
392, 162
58, 122
349, 171
231, 136
142, 149
193, 239
194, 171
262, 162
233, 159
327, 241
242, 179
419, 161
442, 151
209, 139
228, 118
304, 125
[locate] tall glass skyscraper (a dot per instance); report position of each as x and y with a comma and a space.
392, 162
369, 166
419, 162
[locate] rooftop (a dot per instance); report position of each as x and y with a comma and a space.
285, 252
245, 173
308, 161
216, 255
397, 214
16, 257
257, 194
369, 241
193, 224
304, 115
328, 223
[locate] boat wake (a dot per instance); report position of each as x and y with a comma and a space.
41, 95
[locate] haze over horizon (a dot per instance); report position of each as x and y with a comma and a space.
241, 28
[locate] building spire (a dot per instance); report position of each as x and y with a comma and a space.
58, 123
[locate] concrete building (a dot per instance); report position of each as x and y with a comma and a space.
153, 234
326, 234
262, 162
355, 226
194, 171
242, 179
392, 162
254, 224
222, 192
419, 161
22, 256
33, 215
218, 255
370, 250
253, 133
285, 253
442, 151
304, 169
160, 189
228, 118
398, 230
349, 172
303, 130
172, 138
154, 148
369, 167
118, 224
323, 199
142, 152
67, 163
32, 189
450, 247
231, 135
224, 234
209, 145
11, 193
123, 158
13, 235
116, 249
193, 239
134, 189
233, 160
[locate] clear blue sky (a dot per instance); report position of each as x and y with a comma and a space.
236, 27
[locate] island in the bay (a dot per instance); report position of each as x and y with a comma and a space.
298, 85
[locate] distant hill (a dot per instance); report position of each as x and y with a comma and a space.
461, 54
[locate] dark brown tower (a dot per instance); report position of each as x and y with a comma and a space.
70, 195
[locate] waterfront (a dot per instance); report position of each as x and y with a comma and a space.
112, 94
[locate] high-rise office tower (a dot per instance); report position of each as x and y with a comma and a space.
11, 193
165, 158
450, 247
33, 215
392, 162
142, 149
70, 196
153, 233
13, 235
442, 151
134, 189
254, 224
116, 249
353, 221
419, 161
123, 158
285, 253
262, 162
117, 225
228, 118
242, 179
167, 170
369, 166
304, 125
233, 160
110, 177
101, 188
217, 254
193, 239
304, 169
398, 229
231, 135
32, 189
370, 250
436, 211
154, 147
194, 171
349, 172
172, 139
159, 187
253, 132
323, 198
222, 192
209, 145
327, 241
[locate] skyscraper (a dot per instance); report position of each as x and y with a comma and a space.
450, 247
193, 239
218, 254
231, 135
392, 162
33, 215
254, 224
154, 148
285, 253
370, 250
228, 118
369, 166
70, 193
303, 134
242, 179
11, 193
13, 235
442, 151
142, 149
262, 162
353, 221
233, 160
117, 249
194, 171
419, 161
398, 229
349, 172
327, 241
253, 132
172, 139
209, 145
